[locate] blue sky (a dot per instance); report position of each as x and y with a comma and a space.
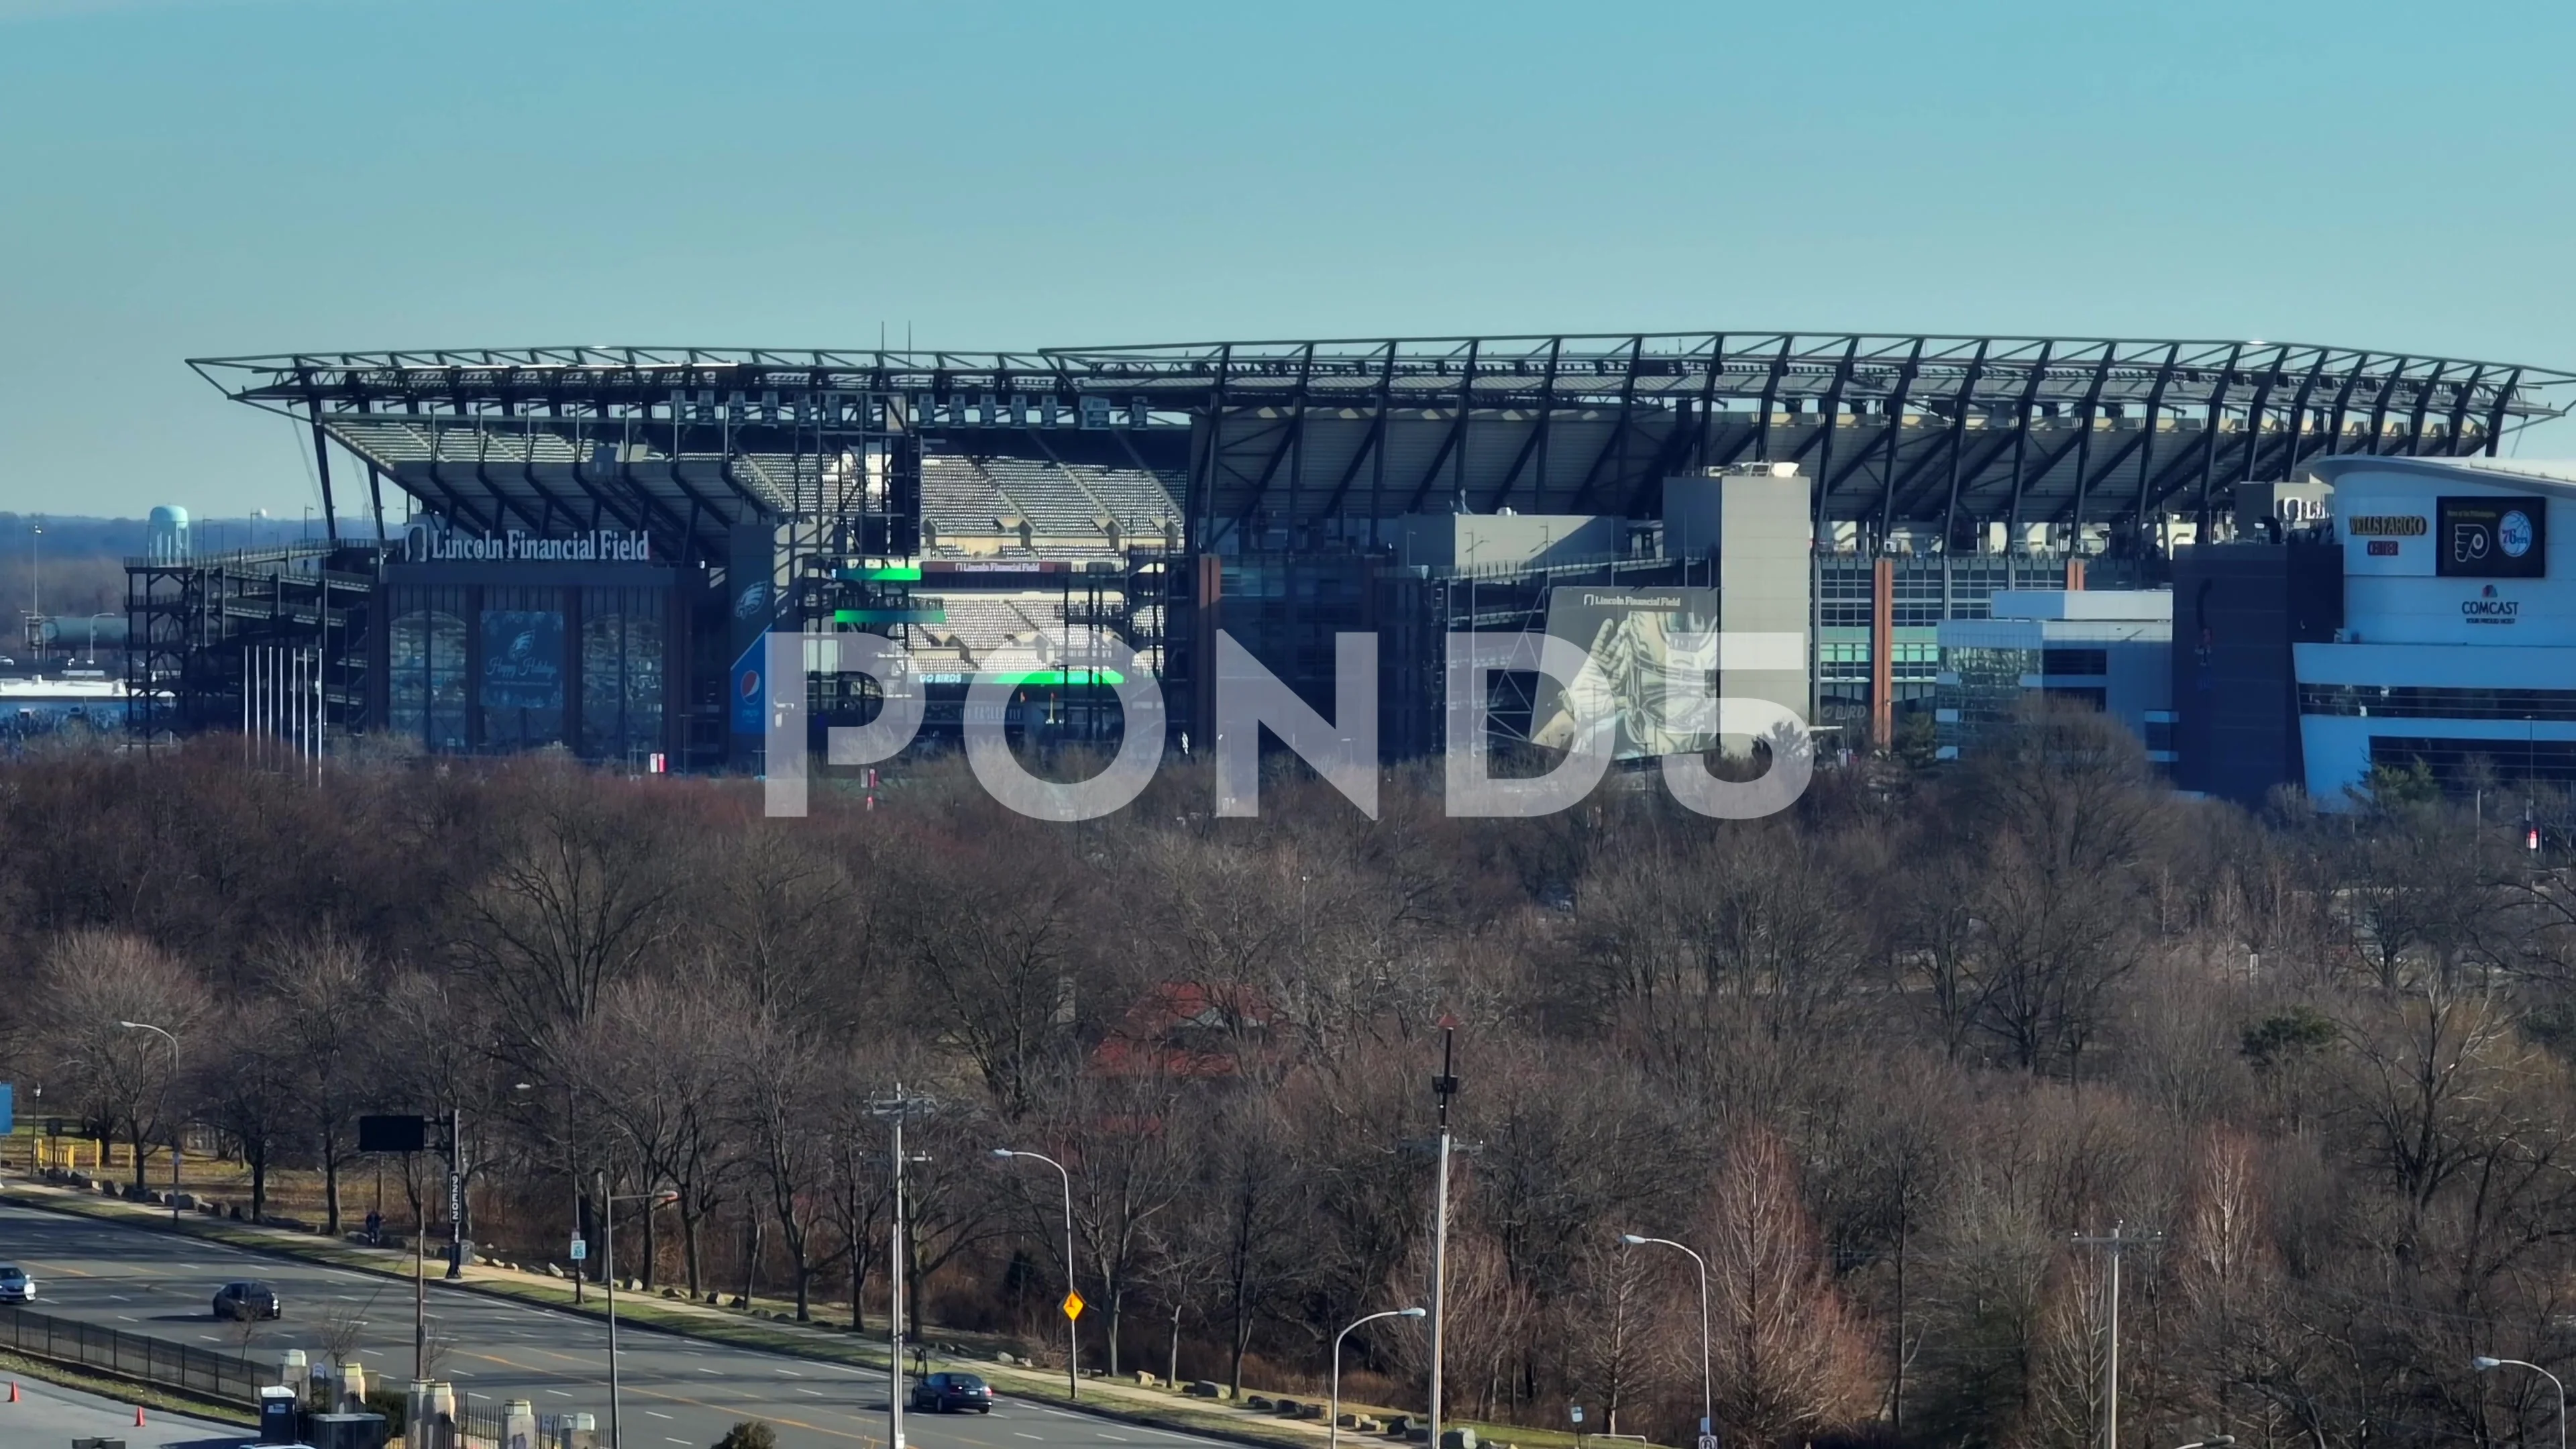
235, 176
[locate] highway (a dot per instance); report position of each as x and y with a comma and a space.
675, 1390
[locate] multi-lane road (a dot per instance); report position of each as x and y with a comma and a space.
675, 1390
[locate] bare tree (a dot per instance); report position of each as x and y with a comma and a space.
122, 1078
252, 1091
323, 980
778, 1108
579, 900
1790, 1359
1625, 1330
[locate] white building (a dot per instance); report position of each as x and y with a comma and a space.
2458, 645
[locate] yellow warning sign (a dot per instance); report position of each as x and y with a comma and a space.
1073, 1305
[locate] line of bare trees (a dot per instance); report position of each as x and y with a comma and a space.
1878, 1060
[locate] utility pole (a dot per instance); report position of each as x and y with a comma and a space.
608, 1279
2117, 1244
1443, 1087
457, 1248
897, 1110
419, 1284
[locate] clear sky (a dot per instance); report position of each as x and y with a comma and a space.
196, 177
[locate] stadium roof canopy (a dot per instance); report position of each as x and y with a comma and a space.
1916, 430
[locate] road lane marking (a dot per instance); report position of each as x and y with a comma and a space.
656, 1413
817, 1393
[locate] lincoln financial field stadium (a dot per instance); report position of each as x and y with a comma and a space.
583, 547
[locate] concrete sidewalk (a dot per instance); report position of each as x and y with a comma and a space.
46, 1417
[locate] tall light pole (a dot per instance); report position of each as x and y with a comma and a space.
897, 1110
165, 1099
1072, 1297
1443, 1087
1707, 1381
2482, 1364
608, 1252
1333, 1415
2118, 1243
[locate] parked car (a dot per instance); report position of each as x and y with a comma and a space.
15, 1285
248, 1300
949, 1393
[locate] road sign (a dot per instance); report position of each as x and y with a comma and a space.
1708, 1441
1578, 1413
580, 1250
1073, 1306
393, 1134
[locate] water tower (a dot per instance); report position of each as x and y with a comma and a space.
165, 538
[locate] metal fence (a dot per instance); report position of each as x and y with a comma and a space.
229, 1378
479, 1426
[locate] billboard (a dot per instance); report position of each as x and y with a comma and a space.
1629, 635
2491, 536
523, 663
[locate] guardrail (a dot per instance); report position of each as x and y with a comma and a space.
228, 1378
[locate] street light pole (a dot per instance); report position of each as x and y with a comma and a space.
165, 1099
2482, 1364
1333, 1415
1072, 1343
1707, 1381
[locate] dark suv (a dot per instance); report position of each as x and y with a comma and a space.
247, 1300
948, 1393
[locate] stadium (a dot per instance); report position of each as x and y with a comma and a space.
583, 546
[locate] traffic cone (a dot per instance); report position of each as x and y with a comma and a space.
13, 1393
138, 1416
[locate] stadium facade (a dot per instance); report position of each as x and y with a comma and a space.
585, 546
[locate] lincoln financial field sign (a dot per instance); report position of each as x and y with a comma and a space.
423, 543
1628, 690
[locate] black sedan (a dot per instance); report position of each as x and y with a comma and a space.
950, 1393
247, 1300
